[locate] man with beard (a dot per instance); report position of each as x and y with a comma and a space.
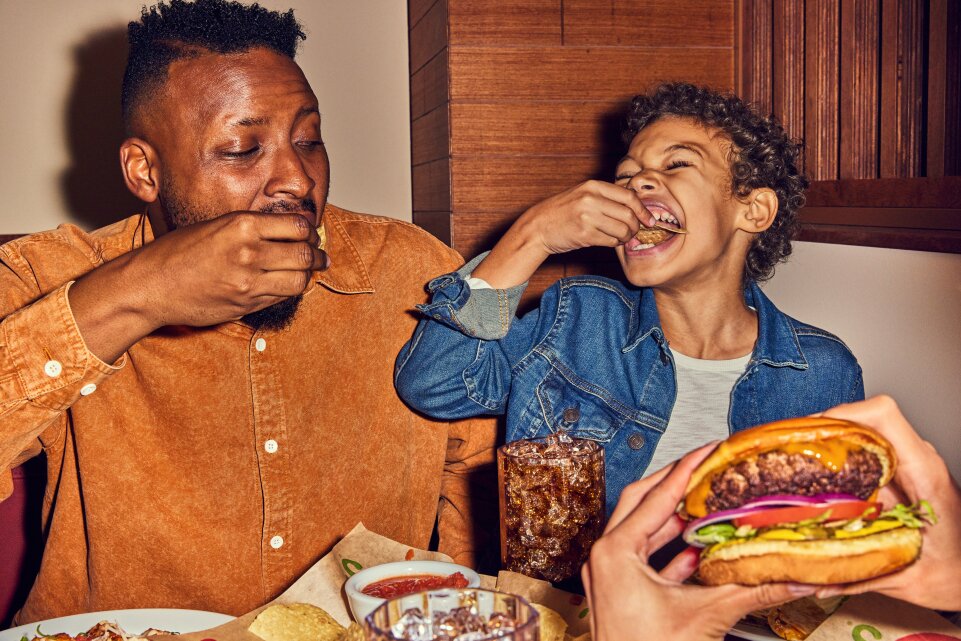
211, 380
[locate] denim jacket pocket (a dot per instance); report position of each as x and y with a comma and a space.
571, 404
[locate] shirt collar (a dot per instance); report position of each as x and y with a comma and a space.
777, 342
347, 273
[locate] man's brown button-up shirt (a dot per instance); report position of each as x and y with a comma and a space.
209, 467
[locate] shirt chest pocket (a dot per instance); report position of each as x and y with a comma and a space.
580, 408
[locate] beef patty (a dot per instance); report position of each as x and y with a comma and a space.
780, 473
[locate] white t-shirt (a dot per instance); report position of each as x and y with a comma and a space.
701, 409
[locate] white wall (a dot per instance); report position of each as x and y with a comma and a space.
900, 313
61, 63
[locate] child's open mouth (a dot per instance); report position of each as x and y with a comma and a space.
665, 228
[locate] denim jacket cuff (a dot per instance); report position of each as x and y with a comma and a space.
478, 313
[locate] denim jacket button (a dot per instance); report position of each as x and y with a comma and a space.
571, 414
635, 441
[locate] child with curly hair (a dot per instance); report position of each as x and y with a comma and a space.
690, 350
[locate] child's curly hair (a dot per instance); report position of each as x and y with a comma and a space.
763, 155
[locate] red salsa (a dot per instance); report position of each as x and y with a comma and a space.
404, 585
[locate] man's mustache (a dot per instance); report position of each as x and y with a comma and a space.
287, 206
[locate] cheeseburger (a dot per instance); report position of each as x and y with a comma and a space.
796, 500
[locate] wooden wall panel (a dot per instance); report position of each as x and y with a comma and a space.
563, 73
707, 23
902, 87
429, 36
514, 183
944, 89
501, 22
755, 55
821, 126
788, 61
431, 186
569, 128
430, 136
860, 22
429, 87
417, 9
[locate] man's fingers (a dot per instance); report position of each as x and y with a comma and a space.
291, 256
281, 284
281, 227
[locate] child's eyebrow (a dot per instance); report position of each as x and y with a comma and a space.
686, 146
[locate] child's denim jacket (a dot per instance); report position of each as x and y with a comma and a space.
592, 360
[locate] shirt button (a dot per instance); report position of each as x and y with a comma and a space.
277, 542
270, 445
52, 368
571, 414
88, 389
635, 441
260, 344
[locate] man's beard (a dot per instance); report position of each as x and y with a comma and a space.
177, 213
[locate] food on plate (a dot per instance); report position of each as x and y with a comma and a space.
553, 626
403, 585
102, 631
795, 500
795, 620
296, 622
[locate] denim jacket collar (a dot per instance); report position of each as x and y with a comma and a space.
777, 342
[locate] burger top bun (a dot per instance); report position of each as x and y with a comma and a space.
768, 437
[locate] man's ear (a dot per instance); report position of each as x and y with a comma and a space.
141, 169
760, 210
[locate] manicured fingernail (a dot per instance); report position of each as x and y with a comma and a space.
326, 260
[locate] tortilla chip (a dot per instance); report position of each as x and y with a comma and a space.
296, 622
354, 633
553, 625
584, 637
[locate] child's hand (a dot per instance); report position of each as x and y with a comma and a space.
592, 214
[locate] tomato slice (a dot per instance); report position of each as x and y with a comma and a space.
839, 511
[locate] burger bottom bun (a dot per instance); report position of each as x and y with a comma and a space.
822, 562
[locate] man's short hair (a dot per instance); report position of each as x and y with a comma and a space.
763, 155
177, 29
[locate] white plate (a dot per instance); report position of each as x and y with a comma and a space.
132, 621
745, 630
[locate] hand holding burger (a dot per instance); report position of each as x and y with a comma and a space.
934, 581
630, 600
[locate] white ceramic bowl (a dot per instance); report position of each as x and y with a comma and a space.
363, 604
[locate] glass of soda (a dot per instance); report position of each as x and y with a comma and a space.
454, 615
551, 493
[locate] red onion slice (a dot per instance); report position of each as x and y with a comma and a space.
759, 505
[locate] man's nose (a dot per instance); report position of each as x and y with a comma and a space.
290, 176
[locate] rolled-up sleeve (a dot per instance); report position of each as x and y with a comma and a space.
446, 370
479, 313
